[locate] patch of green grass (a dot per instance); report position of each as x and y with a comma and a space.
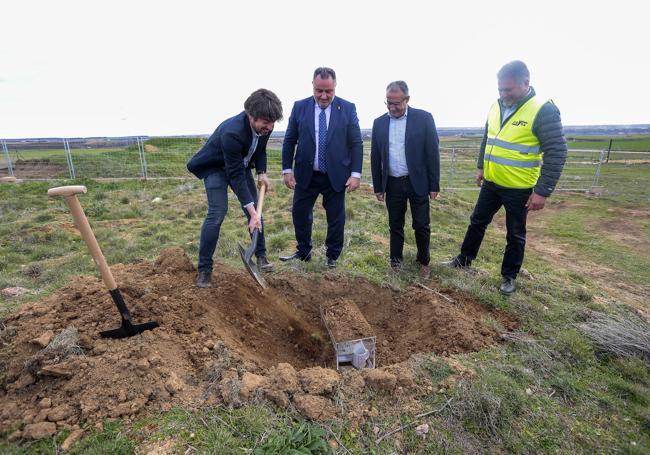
113, 439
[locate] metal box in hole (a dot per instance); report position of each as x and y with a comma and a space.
358, 353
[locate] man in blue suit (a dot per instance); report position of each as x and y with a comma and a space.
236, 147
322, 154
405, 164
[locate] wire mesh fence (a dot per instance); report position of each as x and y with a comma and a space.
138, 157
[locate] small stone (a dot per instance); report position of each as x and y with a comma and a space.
39, 430
57, 371
174, 384
24, 380
422, 430
12, 292
41, 416
45, 403
44, 339
15, 436
156, 200
209, 344
142, 364
71, 439
529, 391
61, 413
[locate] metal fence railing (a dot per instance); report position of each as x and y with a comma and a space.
165, 157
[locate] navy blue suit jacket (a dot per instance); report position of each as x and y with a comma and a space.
226, 149
421, 149
344, 144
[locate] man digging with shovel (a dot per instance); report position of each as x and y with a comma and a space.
236, 147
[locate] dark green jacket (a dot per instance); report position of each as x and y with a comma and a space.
548, 129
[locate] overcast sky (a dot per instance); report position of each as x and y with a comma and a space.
105, 68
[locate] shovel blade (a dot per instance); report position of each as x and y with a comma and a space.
247, 259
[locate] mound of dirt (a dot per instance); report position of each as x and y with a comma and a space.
233, 343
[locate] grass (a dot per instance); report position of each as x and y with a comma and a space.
549, 389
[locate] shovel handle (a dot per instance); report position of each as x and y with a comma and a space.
81, 222
260, 200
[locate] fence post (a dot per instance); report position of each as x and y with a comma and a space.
10, 168
68, 158
598, 167
143, 159
452, 168
609, 149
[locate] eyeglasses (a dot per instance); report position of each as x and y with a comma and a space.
394, 103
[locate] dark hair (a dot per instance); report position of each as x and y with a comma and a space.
516, 70
398, 85
324, 73
264, 104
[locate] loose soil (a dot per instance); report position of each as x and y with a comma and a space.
41, 168
233, 343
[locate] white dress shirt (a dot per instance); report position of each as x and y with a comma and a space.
396, 145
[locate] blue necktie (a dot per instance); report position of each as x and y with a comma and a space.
322, 139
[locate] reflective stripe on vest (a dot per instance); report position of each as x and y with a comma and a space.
516, 147
512, 154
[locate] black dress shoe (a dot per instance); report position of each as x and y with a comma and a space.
330, 263
457, 262
296, 256
507, 286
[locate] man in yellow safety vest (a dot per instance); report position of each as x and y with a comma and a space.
520, 161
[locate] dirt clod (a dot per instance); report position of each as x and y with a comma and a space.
318, 381
315, 407
39, 430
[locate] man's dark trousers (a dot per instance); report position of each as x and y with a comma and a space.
303, 215
490, 200
216, 188
399, 191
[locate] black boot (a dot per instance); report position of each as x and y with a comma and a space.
263, 264
507, 286
204, 279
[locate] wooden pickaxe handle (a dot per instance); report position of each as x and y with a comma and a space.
260, 200
81, 222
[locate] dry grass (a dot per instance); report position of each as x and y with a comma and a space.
619, 335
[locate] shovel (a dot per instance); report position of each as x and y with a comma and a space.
247, 254
128, 328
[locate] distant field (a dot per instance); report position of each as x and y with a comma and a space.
166, 158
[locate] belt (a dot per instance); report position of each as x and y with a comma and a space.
320, 173
401, 177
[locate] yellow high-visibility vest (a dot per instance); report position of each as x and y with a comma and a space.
512, 155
